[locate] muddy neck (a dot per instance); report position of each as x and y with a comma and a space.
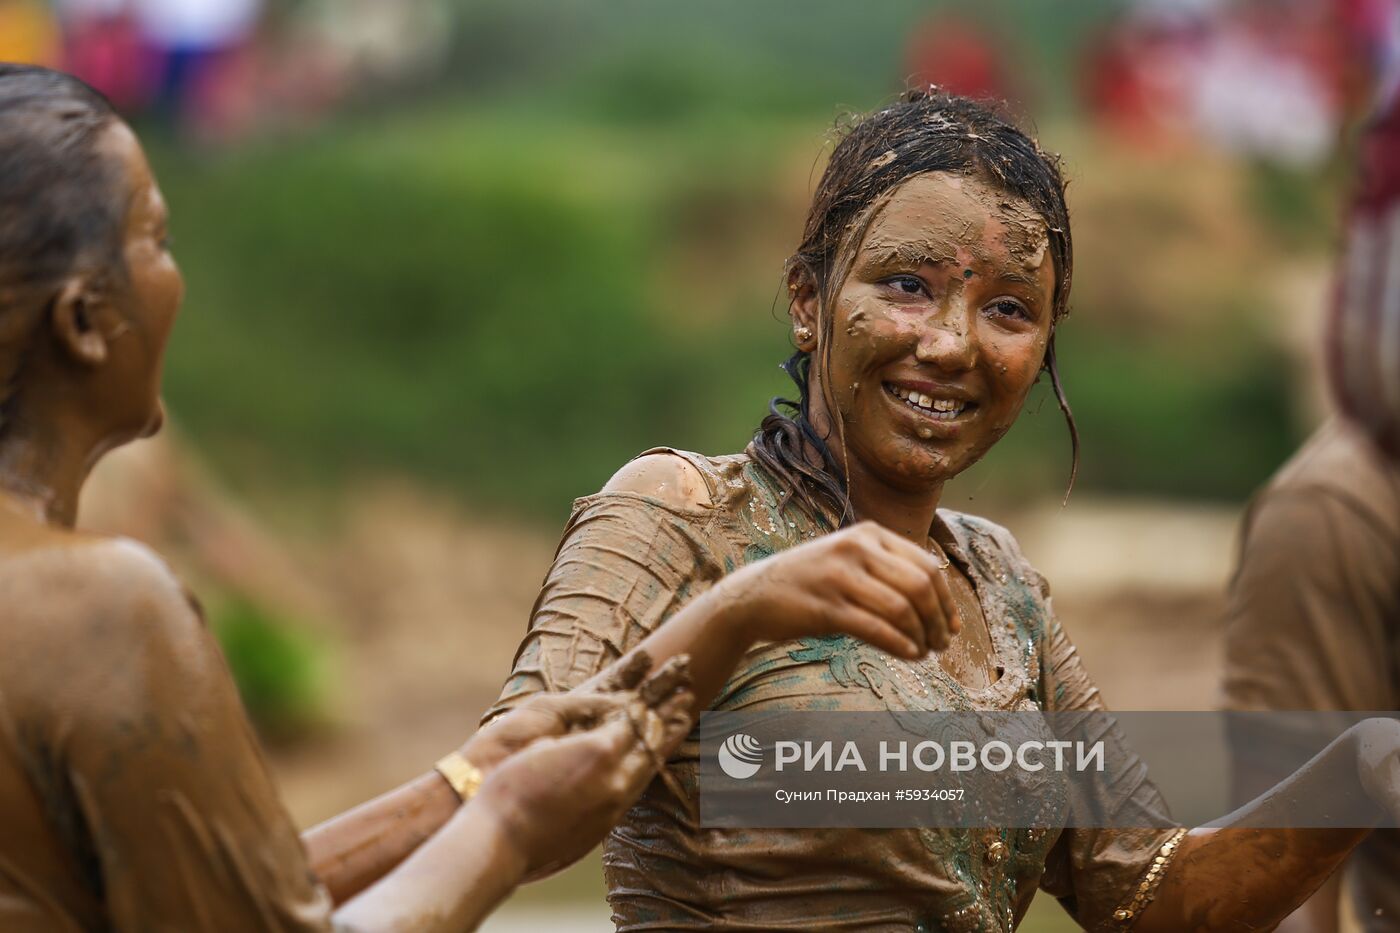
43, 475
909, 514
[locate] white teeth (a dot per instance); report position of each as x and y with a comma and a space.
942, 409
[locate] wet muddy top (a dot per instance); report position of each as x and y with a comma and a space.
627, 562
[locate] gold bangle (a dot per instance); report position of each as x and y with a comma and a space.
461, 775
1147, 888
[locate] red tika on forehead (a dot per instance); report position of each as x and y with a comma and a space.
1364, 327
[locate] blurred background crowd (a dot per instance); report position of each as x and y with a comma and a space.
1271, 80
221, 70
451, 262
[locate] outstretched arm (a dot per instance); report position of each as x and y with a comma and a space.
351, 851
1248, 874
524, 822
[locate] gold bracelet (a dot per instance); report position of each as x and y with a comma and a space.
1147, 888
464, 777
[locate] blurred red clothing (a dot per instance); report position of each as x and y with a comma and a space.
1272, 78
108, 52
1364, 330
959, 58
1136, 77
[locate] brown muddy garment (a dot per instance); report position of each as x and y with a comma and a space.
132, 793
1314, 619
627, 562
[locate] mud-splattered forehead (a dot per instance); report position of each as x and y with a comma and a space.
937, 216
942, 217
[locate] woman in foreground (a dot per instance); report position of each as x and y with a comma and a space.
934, 269
132, 792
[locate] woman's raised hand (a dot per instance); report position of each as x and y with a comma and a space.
556, 798
864, 580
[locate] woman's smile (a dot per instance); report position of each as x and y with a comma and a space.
939, 411
945, 315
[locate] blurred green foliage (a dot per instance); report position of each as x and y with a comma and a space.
1174, 420
1198, 418
1300, 213
672, 57
462, 296
278, 667
482, 287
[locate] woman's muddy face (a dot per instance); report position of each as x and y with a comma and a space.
940, 328
150, 296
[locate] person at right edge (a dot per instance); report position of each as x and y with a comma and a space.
1314, 612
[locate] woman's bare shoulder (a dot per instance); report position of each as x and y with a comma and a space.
99, 631
664, 475
73, 581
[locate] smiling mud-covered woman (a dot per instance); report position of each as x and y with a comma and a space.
934, 268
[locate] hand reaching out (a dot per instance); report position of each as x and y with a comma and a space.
557, 797
549, 715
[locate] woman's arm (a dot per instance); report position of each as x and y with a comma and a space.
351, 851
1243, 873
524, 822
1247, 874
453, 882
1320, 913
863, 581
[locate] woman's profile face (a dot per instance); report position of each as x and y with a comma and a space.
150, 295
939, 329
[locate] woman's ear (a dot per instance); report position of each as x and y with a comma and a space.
803, 307
74, 323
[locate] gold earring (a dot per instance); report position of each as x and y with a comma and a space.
802, 333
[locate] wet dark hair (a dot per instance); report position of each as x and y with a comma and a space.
925, 130
57, 211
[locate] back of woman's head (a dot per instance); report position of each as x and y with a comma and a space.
925, 130
61, 209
